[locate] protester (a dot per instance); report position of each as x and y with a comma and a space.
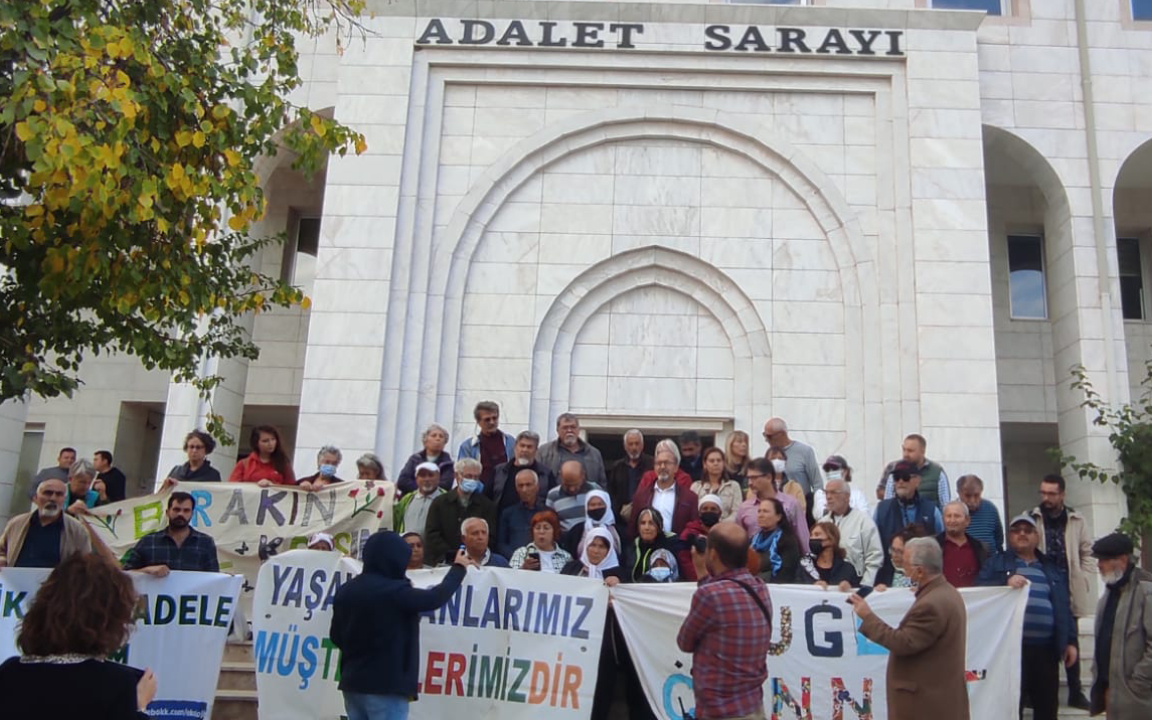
963, 554
434, 438
836, 468
934, 481
1123, 661
728, 629
598, 561
380, 679
268, 462
321, 541
892, 572
762, 485
1065, 540
597, 513
650, 538
926, 652
327, 462
827, 564
1048, 626
668, 489
446, 513
64, 460
663, 567
198, 445
369, 467
475, 538
714, 481
411, 513
503, 489
568, 446
110, 481
624, 475
802, 464
544, 552
691, 461
80, 495
779, 460
736, 457
416, 545
515, 526
907, 507
858, 534
569, 498
491, 445
45, 536
776, 544
984, 518
176, 547
697, 531
80, 616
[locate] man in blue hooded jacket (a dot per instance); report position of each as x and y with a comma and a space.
376, 625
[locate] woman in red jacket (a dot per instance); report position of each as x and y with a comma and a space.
268, 464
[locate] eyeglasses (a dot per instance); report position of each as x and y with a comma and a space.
902, 479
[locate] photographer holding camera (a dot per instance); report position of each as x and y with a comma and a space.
728, 629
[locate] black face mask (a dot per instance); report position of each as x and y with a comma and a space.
816, 545
598, 513
709, 518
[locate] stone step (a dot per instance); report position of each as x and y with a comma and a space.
237, 676
239, 652
234, 705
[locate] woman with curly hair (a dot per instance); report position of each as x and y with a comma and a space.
81, 615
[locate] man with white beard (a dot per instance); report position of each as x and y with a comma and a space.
45, 536
502, 491
568, 446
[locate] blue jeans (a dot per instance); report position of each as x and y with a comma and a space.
363, 706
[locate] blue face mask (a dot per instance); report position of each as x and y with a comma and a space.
471, 486
328, 470
660, 574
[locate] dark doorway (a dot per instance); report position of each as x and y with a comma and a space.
611, 444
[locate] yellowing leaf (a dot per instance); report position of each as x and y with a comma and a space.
183, 138
318, 126
361, 145
237, 222
23, 132
39, 106
198, 139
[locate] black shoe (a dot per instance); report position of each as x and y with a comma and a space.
1079, 702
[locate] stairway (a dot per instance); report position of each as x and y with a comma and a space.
236, 688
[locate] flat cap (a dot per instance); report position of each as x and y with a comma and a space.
1112, 546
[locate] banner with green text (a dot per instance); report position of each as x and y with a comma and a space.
251, 524
509, 644
180, 617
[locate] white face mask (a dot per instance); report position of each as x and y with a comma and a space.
778, 465
834, 475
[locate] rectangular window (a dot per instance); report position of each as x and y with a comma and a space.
1026, 277
992, 7
1131, 278
1142, 9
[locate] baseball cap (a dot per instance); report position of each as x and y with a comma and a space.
1023, 518
836, 462
903, 470
428, 467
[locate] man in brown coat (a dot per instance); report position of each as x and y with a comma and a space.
926, 661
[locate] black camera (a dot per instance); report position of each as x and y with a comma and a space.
699, 542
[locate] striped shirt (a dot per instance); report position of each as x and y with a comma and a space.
569, 507
987, 527
1039, 617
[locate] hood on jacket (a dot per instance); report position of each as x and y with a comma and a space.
387, 554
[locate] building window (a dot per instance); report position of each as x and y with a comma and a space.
1131, 278
992, 7
1142, 9
298, 266
1026, 277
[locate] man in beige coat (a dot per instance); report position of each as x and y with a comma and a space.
1123, 661
926, 660
46, 536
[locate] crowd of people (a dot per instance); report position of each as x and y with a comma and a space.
515, 502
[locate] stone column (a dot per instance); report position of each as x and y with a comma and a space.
12, 415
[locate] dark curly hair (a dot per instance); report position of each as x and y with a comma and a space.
85, 607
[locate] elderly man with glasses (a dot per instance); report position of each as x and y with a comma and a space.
907, 507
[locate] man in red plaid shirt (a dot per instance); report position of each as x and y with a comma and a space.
728, 630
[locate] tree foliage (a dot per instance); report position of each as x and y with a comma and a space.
1130, 433
129, 136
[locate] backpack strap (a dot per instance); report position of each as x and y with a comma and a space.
756, 597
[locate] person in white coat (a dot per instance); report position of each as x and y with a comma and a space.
858, 534
836, 468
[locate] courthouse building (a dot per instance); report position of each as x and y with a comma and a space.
869, 217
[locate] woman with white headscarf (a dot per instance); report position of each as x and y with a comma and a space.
598, 559
597, 514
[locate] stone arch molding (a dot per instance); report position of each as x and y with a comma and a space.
645, 267
446, 285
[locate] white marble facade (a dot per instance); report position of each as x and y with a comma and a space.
714, 236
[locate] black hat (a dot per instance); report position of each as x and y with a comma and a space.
1112, 546
904, 469
836, 462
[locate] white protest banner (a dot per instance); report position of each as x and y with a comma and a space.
820, 665
509, 644
179, 618
250, 523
